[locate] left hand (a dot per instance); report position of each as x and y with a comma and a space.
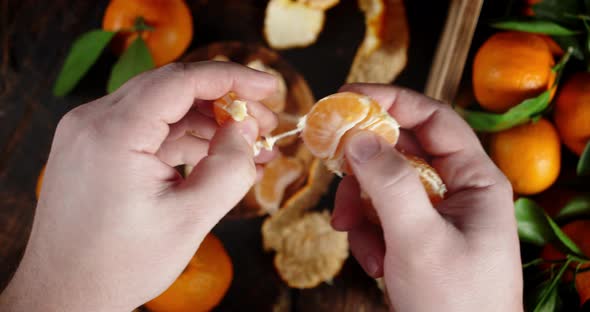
115, 223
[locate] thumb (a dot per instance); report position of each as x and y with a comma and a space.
222, 179
392, 184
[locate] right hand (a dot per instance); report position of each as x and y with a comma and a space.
460, 255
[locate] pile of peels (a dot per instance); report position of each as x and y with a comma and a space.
381, 56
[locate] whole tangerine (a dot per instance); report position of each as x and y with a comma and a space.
529, 155
203, 283
511, 67
572, 112
170, 20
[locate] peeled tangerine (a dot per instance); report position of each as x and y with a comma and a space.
335, 118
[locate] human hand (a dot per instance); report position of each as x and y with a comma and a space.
115, 223
461, 254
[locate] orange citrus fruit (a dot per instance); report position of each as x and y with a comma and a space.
40, 182
337, 117
432, 182
511, 67
171, 21
203, 283
340, 114
229, 107
579, 232
277, 176
572, 112
529, 155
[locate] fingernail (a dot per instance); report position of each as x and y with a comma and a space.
249, 130
363, 147
372, 265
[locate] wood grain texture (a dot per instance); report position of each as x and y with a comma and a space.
454, 45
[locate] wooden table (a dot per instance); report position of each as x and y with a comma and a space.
35, 37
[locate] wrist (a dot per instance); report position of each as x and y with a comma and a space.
34, 287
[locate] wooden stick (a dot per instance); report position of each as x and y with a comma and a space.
453, 47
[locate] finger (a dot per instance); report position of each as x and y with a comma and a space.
187, 150
367, 246
205, 107
408, 144
259, 173
347, 212
155, 99
392, 185
267, 120
222, 179
194, 123
441, 132
458, 156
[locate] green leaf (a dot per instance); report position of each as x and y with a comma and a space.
583, 168
578, 206
83, 54
547, 299
570, 247
536, 227
519, 114
558, 10
535, 26
135, 60
533, 227
550, 302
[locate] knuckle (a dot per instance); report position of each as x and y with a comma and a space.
502, 182
73, 119
172, 68
397, 183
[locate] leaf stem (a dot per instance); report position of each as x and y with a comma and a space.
559, 66
538, 261
554, 282
140, 25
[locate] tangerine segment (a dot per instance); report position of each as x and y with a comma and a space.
339, 116
330, 118
278, 175
229, 107
432, 182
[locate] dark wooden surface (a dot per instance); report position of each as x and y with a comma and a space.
34, 39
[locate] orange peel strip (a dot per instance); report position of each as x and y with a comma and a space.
278, 175
290, 24
383, 53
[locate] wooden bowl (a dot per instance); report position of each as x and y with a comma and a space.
299, 96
